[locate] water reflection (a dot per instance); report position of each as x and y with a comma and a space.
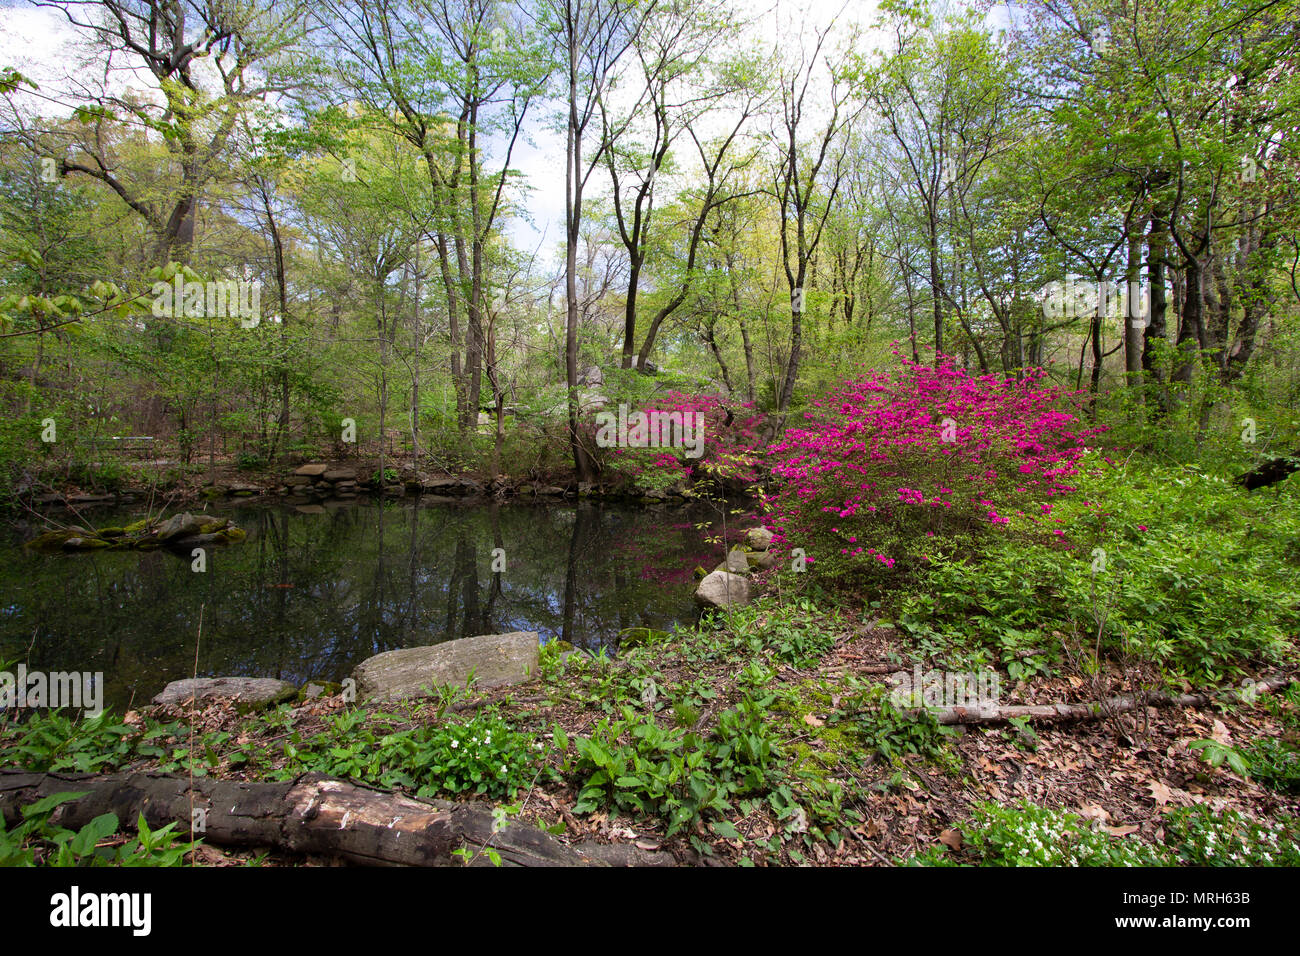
310, 595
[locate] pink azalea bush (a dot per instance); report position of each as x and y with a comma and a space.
731, 444
895, 469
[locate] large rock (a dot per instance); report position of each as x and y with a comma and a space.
495, 659
440, 484
452, 486
339, 474
763, 560
181, 525
737, 562
248, 691
758, 538
312, 471
722, 589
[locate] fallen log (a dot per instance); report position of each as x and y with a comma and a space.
1270, 471
314, 815
1092, 710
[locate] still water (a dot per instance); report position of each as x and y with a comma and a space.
310, 595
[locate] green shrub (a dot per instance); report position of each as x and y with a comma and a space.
673, 773
38, 842
483, 755
1203, 836
1024, 834
888, 731
50, 742
1186, 569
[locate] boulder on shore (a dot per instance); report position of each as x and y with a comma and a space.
494, 659
181, 525
248, 691
722, 589
737, 562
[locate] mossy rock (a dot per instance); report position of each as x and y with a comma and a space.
78, 543
137, 527
112, 532
560, 646
233, 535
51, 541
212, 491
214, 526
638, 636
700, 573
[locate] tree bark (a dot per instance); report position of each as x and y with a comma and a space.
1093, 710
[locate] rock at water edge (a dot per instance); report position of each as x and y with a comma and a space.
722, 589
494, 659
251, 691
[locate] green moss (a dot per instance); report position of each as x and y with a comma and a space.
79, 543
50, 541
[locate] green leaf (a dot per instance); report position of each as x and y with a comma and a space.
83, 844
47, 804
725, 828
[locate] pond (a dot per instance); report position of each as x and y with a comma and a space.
312, 592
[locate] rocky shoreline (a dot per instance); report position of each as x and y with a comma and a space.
316, 482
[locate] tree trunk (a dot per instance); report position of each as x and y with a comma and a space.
1156, 326
314, 814
1190, 330
1132, 323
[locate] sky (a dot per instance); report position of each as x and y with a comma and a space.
39, 42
